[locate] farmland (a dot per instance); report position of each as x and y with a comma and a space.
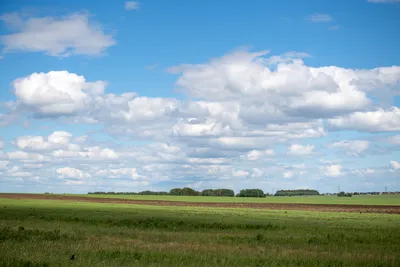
358, 200
47, 232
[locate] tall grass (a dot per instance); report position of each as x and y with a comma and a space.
48, 233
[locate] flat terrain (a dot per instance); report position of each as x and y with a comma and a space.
47, 232
181, 202
358, 200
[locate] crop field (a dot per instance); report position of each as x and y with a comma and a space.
358, 199
47, 232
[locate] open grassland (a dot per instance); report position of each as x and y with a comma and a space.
356, 200
48, 232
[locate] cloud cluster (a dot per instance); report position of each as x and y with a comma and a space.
247, 117
64, 36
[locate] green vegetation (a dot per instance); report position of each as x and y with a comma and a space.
48, 233
343, 194
356, 199
298, 192
251, 193
186, 191
218, 193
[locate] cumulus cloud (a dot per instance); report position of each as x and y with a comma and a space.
87, 153
4, 164
355, 147
256, 154
320, 18
334, 170
119, 173
131, 5
394, 165
56, 93
300, 150
68, 172
238, 112
372, 121
363, 172
58, 139
63, 36
288, 87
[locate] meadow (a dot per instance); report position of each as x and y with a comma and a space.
354, 200
48, 232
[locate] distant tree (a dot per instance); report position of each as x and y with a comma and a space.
251, 193
343, 194
186, 191
218, 192
297, 192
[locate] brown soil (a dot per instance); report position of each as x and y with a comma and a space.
270, 206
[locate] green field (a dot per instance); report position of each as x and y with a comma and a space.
362, 200
47, 233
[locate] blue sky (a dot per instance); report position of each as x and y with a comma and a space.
137, 95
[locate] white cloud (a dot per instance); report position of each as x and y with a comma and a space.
119, 173
56, 36
287, 88
333, 170
300, 150
363, 172
372, 121
87, 153
354, 148
73, 182
68, 172
27, 157
394, 165
240, 173
256, 154
58, 139
288, 174
4, 164
56, 93
1, 143
131, 5
320, 18
237, 112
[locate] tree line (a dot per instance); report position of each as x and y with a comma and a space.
297, 192
223, 192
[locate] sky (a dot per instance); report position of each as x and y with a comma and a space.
152, 95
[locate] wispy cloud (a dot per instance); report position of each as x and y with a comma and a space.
73, 34
131, 5
319, 18
383, 1
152, 67
334, 27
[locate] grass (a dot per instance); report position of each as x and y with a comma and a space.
47, 233
361, 199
